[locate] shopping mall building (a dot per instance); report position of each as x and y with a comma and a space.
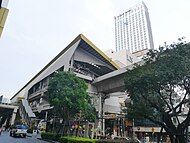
105, 80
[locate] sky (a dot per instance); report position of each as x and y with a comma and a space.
37, 30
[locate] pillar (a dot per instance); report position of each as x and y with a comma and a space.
103, 122
99, 111
14, 115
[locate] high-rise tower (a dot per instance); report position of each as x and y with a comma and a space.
133, 30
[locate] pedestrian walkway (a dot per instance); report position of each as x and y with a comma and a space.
34, 135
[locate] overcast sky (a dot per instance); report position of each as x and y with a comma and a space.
37, 30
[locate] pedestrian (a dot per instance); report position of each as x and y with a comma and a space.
37, 131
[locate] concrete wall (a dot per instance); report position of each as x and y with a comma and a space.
123, 56
62, 60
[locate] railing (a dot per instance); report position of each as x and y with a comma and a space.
41, 107
37, 92
83, 72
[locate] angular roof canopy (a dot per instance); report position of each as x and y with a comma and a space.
86, 45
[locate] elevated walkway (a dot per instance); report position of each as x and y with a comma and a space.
9, 111
6, 110
113, 81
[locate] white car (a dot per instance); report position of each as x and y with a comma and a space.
18, 130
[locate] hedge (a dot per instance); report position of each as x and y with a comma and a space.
57, 137
76, 140
50, 136
71, 139
116, 141
109, 141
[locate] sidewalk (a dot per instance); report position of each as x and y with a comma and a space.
38, 136
34, 135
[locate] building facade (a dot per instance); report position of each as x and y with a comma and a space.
105, 80
80, 57
133, 30
123, 58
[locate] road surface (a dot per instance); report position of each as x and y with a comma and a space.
5, 138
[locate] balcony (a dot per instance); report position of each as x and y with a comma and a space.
86, 77
42, 106
83, 74
37, 93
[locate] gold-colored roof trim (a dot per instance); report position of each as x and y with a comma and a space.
99, 51
3, 16
79, 37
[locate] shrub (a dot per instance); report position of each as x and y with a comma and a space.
50, 136
108, 141
117, 141
76, 140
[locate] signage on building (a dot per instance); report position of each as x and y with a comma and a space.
109, 116
147, 129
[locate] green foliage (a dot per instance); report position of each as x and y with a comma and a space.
109, 141
76, 140
117, 141
71, 139
50, 136
155, 86
68, 94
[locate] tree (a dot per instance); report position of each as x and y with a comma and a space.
160, 89
68, 94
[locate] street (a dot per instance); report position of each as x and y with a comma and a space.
5, 138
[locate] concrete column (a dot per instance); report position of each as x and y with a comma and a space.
92, 136
99, 111
46, 115
103, 123
14, 115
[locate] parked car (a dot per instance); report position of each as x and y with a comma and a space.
18, 130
